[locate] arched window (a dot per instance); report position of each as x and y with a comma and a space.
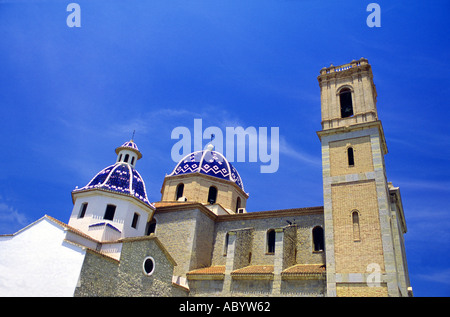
318, 239
120, 158
238, 204
127, 156
355, 221
151, 227
132, 160
212, 195
109, 212
345, 98
271, 241
180, 190
350, 156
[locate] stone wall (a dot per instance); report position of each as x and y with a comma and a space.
196, 189
192, 238
304, 288
361, 290
98, 276
303, 252
103, 276
202, 244
176, 231
249, 270
362, 154
351, 254
132, 281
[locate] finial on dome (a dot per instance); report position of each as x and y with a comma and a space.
210, 146
132, 137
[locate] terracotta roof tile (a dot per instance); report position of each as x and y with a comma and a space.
254, 269
305, 269
210, 270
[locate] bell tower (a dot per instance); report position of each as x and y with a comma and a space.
363, 253
348, 95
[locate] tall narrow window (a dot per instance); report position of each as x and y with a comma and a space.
356, 231
83, 210
151, 227
135, 220
351, 157
271, 241
127, 156
345, 98
212, 195
132, 160
180, 190
318, 239
238, 204
225, 246
109, 212
120, 158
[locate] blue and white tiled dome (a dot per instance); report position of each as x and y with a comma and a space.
121, 177
208, 162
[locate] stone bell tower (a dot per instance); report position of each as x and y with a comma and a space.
363, 233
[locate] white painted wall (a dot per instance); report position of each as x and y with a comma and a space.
131, 154
37, 261
97, 201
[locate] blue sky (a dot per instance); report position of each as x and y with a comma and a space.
70, 96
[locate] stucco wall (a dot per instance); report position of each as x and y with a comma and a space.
38, 262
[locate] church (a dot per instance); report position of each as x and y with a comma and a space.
200, 240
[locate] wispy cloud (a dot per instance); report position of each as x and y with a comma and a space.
442, 276
423, 226
155, 121
298, 154
11, 220
424, 184
420, 144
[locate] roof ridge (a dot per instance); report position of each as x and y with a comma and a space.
70, 228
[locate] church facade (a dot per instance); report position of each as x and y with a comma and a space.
199, 239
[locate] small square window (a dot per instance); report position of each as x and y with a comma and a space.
109, 213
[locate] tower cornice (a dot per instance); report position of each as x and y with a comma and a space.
356, 127
344, 70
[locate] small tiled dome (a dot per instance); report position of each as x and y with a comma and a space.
129, 145
210, 163
121, 177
